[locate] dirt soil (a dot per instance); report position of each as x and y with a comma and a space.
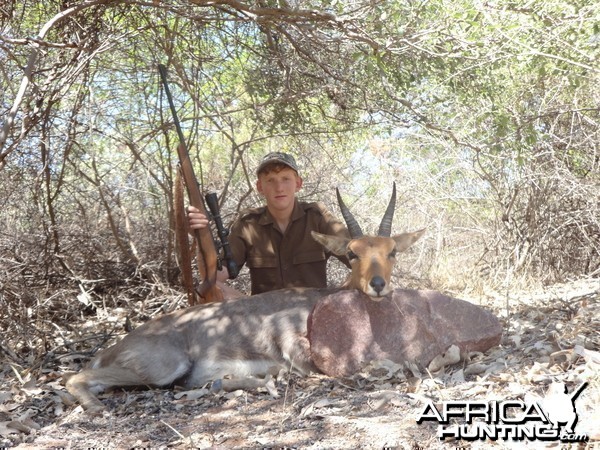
549, 336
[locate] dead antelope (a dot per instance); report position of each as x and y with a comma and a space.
242, 337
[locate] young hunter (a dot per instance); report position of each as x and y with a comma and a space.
275, 240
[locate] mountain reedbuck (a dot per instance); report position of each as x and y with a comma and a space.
243, 337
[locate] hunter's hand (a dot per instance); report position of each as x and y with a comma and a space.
196, 220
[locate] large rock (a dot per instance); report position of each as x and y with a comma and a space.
347, 329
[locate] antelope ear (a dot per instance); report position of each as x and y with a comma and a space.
405, 240
335, 244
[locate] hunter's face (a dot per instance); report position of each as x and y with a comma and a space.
279, 188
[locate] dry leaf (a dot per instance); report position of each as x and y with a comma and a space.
413, 384
449, 357
476, 369
193, 394
6, 430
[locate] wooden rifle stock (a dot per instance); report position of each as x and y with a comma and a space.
206, 252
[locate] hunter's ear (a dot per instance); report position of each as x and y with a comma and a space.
335, 244
405, 240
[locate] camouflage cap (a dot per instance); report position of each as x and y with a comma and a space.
277, 157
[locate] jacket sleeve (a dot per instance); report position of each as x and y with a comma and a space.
237, 242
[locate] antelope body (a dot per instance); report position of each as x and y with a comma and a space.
241, 337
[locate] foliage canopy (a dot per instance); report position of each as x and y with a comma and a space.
485, 112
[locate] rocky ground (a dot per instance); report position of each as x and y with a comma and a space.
550, 336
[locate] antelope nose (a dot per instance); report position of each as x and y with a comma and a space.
377, 283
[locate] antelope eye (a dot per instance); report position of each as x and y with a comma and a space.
352, 255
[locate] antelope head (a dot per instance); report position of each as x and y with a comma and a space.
372, 258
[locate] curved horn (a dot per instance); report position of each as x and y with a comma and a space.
351, 223
385, 229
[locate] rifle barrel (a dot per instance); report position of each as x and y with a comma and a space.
163, 75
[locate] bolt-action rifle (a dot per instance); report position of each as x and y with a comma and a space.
206, 248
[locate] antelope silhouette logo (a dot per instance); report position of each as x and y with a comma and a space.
559, 406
